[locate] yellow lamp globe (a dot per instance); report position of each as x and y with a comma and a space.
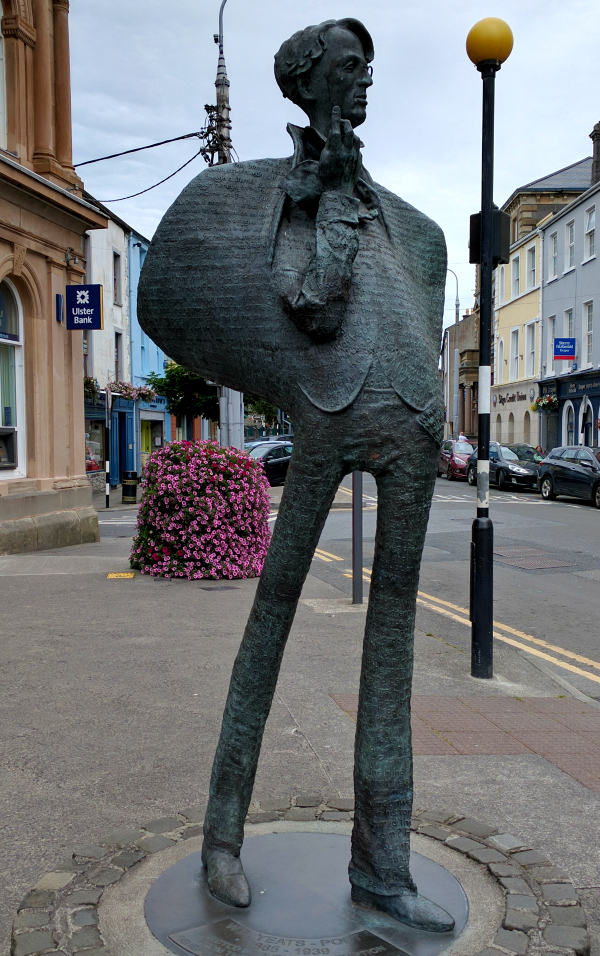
489, 39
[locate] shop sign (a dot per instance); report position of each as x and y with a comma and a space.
515, 397
84, 307
584, 388
565, 349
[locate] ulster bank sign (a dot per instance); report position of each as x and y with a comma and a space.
84, 307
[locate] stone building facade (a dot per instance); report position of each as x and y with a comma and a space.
468, 379
45, 497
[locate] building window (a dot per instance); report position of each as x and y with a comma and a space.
498, 428
551, 334
12, 386
94, 445
588, 320
570, 426
118, 356
531, 276
501, 362
501, 284
590, 232
570, 245
514, 355
116, 278
553, 255
569, 330
516, 276
530, 346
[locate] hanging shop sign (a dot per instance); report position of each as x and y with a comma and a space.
84, 307
565, 349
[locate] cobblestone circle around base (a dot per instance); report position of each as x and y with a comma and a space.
543, 914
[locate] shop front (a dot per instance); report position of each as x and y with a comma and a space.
95, 432
576, 419
122, 454
154, 429
512, 419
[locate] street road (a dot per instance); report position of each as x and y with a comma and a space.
551, 611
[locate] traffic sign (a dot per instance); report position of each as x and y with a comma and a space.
565, 349
84, 307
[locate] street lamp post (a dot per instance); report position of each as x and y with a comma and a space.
489, 44
456, 361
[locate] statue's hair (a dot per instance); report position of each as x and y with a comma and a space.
299, 54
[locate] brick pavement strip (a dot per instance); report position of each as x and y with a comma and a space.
63, 919
563, 730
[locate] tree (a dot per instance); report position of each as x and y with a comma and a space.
259, 406
187, 394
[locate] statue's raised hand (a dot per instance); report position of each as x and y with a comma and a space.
340, 162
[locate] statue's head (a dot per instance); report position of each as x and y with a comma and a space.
325, 66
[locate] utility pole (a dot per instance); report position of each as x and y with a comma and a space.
231, 403
455, 430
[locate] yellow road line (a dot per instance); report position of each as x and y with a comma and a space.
121, 574
509, 640
334, 557
526, 637
364, 577
322, 557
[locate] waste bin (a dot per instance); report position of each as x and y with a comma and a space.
129, 483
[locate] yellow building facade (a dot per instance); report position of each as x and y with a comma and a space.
517, 339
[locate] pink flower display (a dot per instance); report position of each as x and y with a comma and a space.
204, 513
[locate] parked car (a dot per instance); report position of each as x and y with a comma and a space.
509, 465
571, 470
275, 459
267, 438
453, 458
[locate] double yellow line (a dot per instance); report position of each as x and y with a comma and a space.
502, 632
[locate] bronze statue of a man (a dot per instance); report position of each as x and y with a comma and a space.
302, 281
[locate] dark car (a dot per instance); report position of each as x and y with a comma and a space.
509, 465
453, 458
571, 470
267, 438
275, 459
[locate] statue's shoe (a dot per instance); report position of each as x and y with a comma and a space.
225, 876
409, 908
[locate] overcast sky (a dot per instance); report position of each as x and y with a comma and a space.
142, 71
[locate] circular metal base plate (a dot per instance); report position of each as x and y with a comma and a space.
301, 905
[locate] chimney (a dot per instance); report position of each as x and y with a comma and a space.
595, 138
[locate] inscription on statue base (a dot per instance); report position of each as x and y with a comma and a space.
228, 938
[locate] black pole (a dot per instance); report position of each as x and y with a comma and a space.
482, 544
357, 538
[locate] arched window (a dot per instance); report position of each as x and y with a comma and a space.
12, 416
527, 428
587, 424
3, 140
498, 428
501, 362
570, 429
511, 428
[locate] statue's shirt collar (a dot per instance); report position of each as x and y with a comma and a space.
303, 183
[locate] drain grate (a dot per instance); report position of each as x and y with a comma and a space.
530, 559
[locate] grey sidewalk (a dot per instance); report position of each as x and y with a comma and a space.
112, 693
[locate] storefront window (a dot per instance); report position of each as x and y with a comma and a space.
11, 379
94, 445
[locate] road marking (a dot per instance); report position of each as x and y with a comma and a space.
439, 606
526, 637
121, 574
322, 557
334, 557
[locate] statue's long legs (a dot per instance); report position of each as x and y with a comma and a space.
309, 490
383, 785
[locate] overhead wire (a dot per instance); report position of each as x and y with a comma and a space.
138, 149
147, 190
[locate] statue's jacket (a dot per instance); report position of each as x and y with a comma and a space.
216, 291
